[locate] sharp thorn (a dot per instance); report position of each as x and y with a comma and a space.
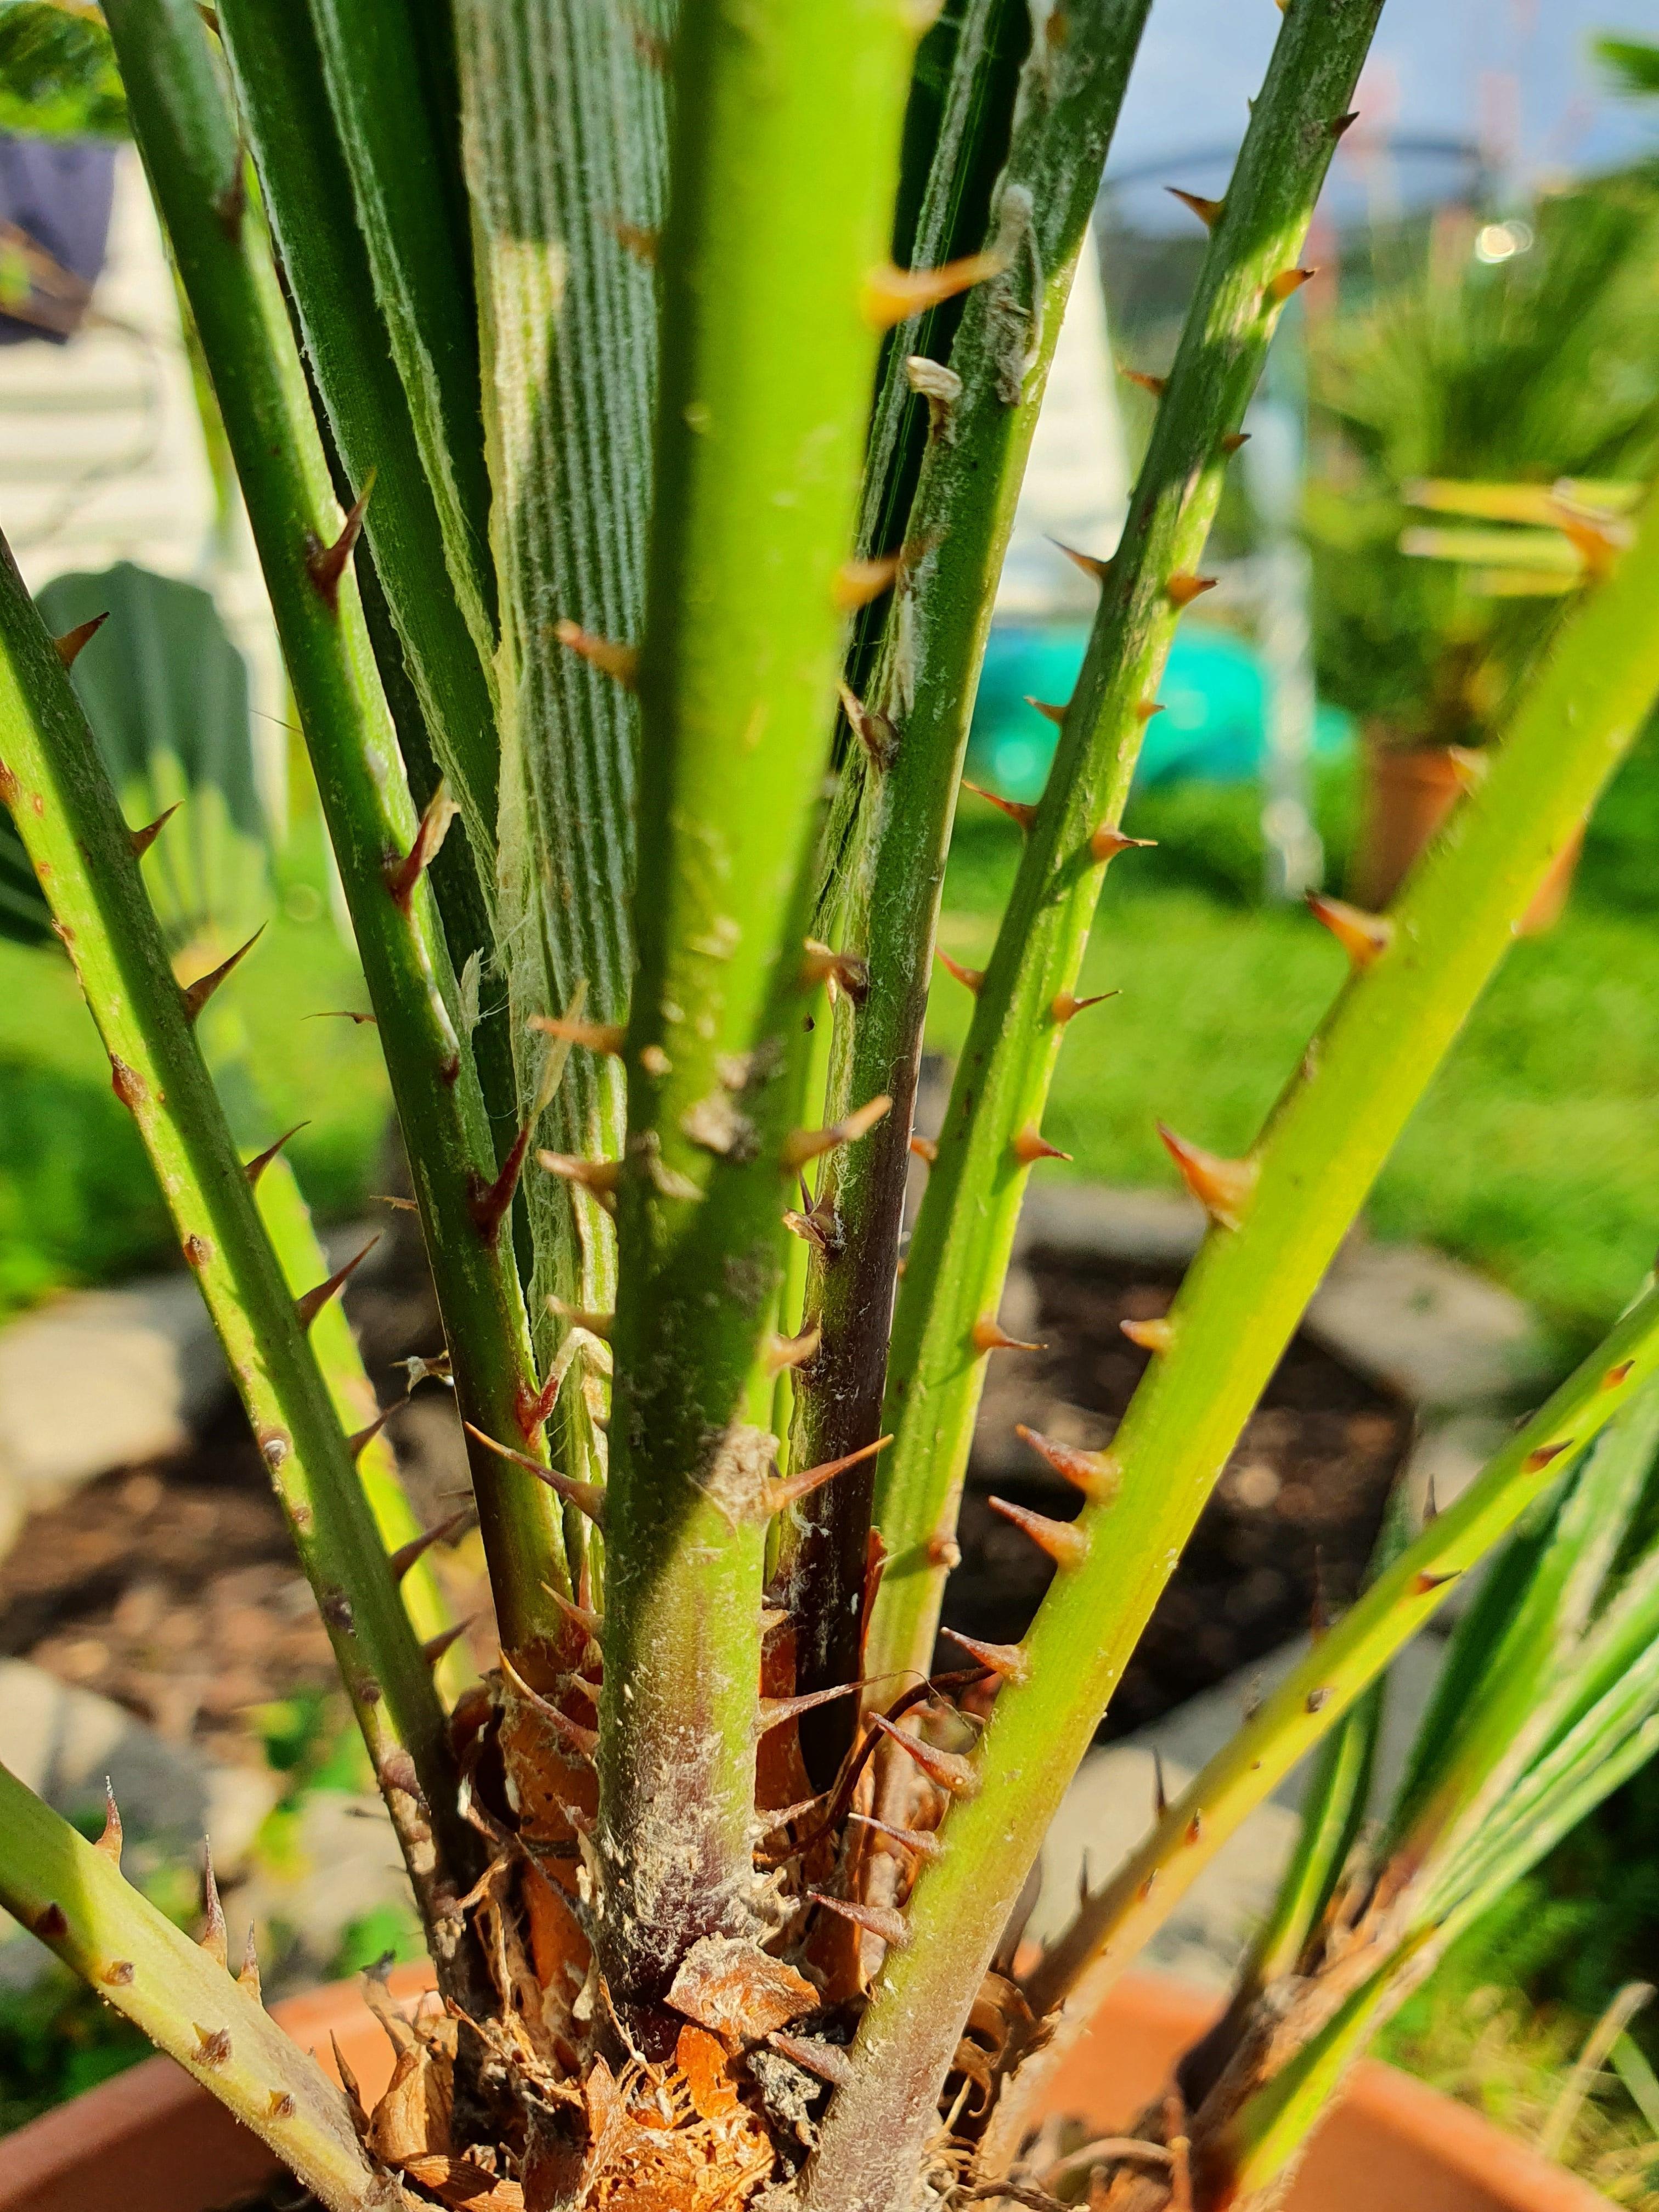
637, 239
435, 1646
859, 582
1423, 1583
1536, 1461
621, 663
347, 2079
1158, 386
359, 1441
971, 978
247, 1975
1090, 564
326, 565
1146, 708
75, 642
1209, 212
436, 815
773, 1712
197, 994
1233, 440
804, 1144
1066, 1545
441, 1531
1030, 1145
531, 1407
830, 2062
345, 1014
890, 294
786, 1351
581, 1616
924, 1842
1015, 809
212, 1939
596, 1324
1221, 1186
1065, 1006
604, 1037
949, 1769
1288, 281
1431, 1502
312, 1302
1339, 125
598, 1178
1616, 1375
588, 1498
1049, 711
1183, 587
1009, 1661
1108, 841
1097, 1475
879, 1920
1153, 1336
924, 1148
110, 1842
873, 729
490, 1203
142, 839
1160, 1795
255, 1167
841, 972
784, 1490
584, 1741
212, 2045
987, 1334
943, 1551
1364, 937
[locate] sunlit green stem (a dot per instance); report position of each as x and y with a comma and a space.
1119, 1919
1236, 1309
54, 783
787, 124
892, 821
965, 1231
72, 1895
190, 150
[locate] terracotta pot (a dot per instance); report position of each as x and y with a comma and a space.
150, 2141
1408, 792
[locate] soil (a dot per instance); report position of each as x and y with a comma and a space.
172, 1586
1284, 1537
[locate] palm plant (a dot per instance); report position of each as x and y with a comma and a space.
637, 716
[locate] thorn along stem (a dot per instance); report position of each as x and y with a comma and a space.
197, 994
75, 642
326, 565
311, 1302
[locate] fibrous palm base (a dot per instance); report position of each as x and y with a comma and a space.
714, 2101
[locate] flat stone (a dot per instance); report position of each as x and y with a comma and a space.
341, 1864
97, 1380
1087, 1220
100, 1379
62, 1742
1108, 1810
1423, 1325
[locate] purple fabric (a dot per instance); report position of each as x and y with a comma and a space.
58, 191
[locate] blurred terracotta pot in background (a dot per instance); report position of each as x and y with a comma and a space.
1407, 793
150, 2141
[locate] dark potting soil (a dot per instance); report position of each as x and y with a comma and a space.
173, 1589
1288, 1529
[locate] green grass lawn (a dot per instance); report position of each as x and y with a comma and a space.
1536, 1153
1535, 1156
77, 1201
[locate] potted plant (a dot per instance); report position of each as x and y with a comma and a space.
1520, 357
720, 1867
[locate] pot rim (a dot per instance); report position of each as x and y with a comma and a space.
64, 2150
